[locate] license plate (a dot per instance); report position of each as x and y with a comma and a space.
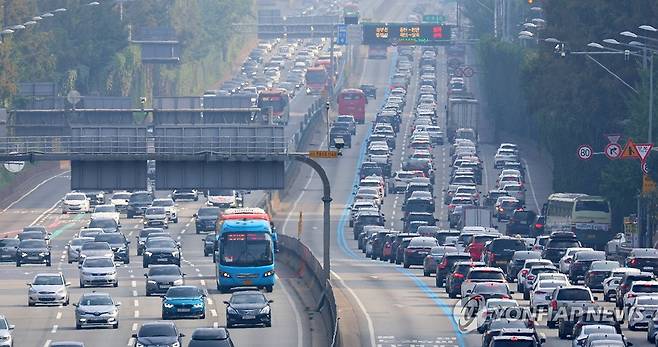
248, 282
164, 286
33, 258
422, 253
183, 310
162, 259
6, 256
501, 262
248, 317
648, 268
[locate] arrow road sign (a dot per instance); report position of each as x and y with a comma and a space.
643, 150
342, 34
585, 152
630, 152
612, 151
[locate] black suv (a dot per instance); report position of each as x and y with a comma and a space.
161, 250
581, 262
557, 245
446, 264
119, 245
209, 245
206, 219
138, 203
645, 259
370, 169
457, 275
517, 262
520, 222
33, 252
499, 251
367, 218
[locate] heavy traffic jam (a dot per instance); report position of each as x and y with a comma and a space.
516, 276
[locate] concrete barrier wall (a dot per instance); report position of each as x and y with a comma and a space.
298, 257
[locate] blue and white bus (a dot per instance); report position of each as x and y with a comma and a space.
245, 256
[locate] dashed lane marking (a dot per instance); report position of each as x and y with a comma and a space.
54, 330
136, 303
136, 313
213, 312
59, 315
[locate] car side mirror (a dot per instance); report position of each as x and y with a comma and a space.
134, 335
596, 298
226, 302
181, 335
512, 292
548, 297
468, 291
118, 304
270, 301
68, 284
195, 215
75, 305
146, 275
12, 327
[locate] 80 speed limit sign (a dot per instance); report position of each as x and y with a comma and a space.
585, 152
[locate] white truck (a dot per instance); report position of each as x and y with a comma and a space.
462, 112
476, 216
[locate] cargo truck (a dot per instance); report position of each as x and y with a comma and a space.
462, 112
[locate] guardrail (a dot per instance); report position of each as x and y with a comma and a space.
140, 145
300, 258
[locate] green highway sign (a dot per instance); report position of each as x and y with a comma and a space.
434, 18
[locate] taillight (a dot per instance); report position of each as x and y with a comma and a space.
531, 277
568, 260
630, 295
451, 206
538, 226
554, 304
492, 256
408, 251
457, 275
443, 264
633, 261
524, 272
500, 209
539, 292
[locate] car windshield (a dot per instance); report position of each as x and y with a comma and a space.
550, 284
146, 232
163, 203
32, 244
208, 212
183, 292
486, 275
98, 262
163, 243
9, 242
605, 266
598, 328
422, 242
114, 238
103, 223
647, 300
96, 300
157, 330
574, 294
563, 244
140, 197
155, 210
48, 281
512, 343
95, 246
246, 249
501, 245
164, 271
491, 288
645, 288
75, 197
507, 324
369, 220
105, 208
3, 324
248, 299
122, 196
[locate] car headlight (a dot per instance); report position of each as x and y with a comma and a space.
225, 274
176, 344
43, 254
23, 254
61, 290
268, 273
178, 282
5, 338
265, 310
121, 249
175, 253
168, 305
231, 310
151, 282
148, 253
85, 273
198, 305
139, 345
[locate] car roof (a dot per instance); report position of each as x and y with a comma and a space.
219, 333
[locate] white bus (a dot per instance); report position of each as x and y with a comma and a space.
587, 216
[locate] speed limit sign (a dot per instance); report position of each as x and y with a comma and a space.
585, 152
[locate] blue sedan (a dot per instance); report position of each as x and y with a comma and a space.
184, 302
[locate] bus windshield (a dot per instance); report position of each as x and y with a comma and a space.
592, 205
351, 97
246, 249
278, 102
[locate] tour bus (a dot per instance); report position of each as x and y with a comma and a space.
245, 255
587, 216
317, 80
353, 102
277, 101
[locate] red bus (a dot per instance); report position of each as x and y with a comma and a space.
276, 100
317, 80
353, 102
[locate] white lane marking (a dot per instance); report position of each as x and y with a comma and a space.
210, 302
215, 324
298, 319
47, 344
136, 303
532, 188
32, 191
54, 330
133, 284
213, 312
59, 315
187, 225
136, 313
203, 282
371, 328
44, 213
134, 293
183, 232
131, 342
135, 326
